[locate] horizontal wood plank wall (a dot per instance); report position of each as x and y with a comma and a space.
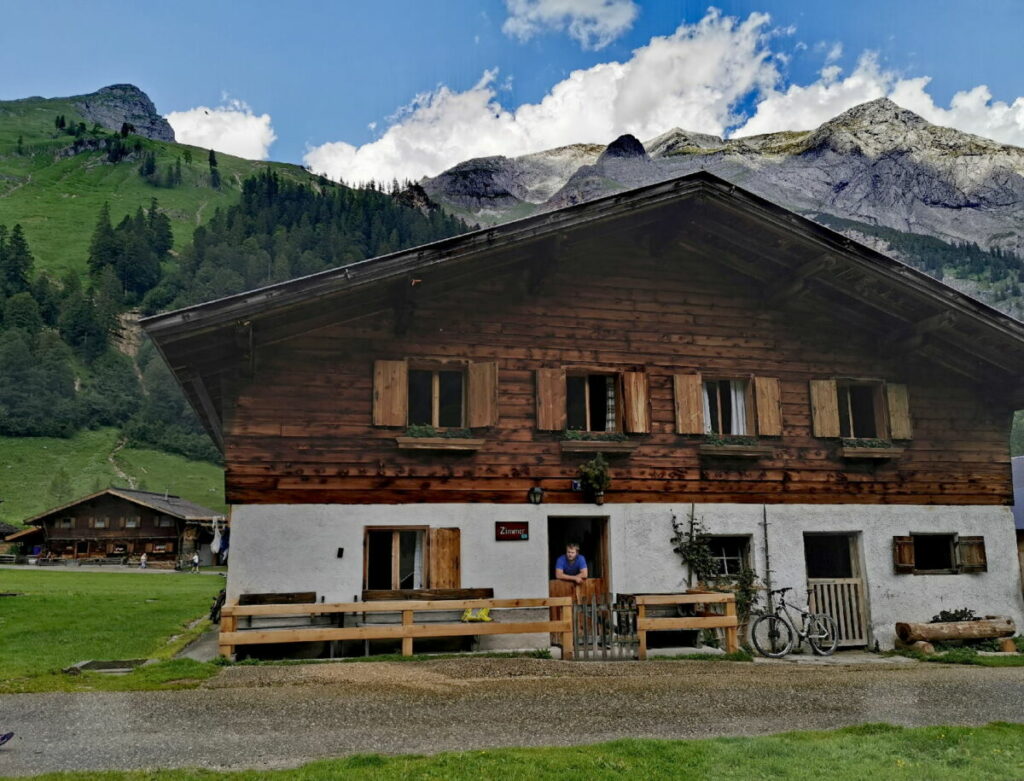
301, 429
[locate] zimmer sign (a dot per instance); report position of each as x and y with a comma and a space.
511, 530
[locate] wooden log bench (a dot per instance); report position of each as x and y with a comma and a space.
922, 637
232, 636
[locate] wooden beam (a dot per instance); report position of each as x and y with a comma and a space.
215, 428
796, 283
913, 337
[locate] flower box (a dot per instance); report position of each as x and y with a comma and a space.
456, 444
878, 453
709, 450
590, 446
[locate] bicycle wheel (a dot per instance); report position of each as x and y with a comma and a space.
772, 636
822, 634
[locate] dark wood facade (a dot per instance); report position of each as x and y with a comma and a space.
723, 286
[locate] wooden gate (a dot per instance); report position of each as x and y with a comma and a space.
605, 629
843, 599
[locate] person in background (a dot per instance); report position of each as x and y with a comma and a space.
195, 562
143, 559
571, 565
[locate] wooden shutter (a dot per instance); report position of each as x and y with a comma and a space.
768, 399
903, 555
445, 551
551, 399
899, 411
390, 393
825, 408
970, 554
636, 403
482, 398
689, 398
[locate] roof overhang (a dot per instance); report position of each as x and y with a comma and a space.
790, 255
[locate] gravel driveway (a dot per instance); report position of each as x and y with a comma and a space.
265, 717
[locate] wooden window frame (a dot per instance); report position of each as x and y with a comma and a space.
435, 367
744, 555
587, 372
65, 523
954, 540
165, 522
100, 523
135, 522
395, 552
881, 406
749, 401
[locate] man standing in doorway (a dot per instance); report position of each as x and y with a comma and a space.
571, 565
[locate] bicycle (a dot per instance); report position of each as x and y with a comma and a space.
773, 633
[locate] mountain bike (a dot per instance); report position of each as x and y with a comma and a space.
774, 632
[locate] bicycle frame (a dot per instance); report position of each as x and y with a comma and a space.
782, 610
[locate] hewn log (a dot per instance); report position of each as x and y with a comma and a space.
998, 626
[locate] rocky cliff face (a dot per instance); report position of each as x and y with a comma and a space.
112, 106
877, 164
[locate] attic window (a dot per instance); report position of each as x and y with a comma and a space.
591, 402
436, 398
861, 410
65, 523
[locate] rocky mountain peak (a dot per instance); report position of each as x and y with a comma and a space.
624, 147
678, 141
112, 106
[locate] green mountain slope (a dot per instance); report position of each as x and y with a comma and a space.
56, 193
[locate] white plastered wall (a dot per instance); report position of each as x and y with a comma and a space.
277, 548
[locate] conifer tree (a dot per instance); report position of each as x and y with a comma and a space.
15, 263
103, 246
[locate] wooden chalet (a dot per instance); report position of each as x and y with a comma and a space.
119, 523
836, 419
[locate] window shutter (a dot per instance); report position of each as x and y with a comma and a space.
390, 393
903, 555
825, 408
689, 397
551, 399
445, 568
768, 399
899, 411
483, 394
636, 403
970, 553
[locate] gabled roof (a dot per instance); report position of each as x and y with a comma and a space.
168, 504
790, 255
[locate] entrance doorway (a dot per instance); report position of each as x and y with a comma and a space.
591, 534
835, 583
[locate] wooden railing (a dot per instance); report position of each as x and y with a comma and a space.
231, 635
727, 621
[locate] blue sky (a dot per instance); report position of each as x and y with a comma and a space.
335, 84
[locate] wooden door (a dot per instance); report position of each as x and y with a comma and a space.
835, 584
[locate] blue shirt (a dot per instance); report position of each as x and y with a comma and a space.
578, 564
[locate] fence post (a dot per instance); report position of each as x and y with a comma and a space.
641, 634
228, 623
731, 643
406, 641
568, 617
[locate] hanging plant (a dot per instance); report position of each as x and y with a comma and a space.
690, 541
594, 478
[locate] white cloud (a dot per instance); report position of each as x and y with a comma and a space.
693, 78
806, 107
594, 23
231, 128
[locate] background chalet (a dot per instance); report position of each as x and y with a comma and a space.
838, 420
121, 523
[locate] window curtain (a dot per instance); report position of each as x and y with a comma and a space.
738, 397
609, 421
417, 562
708, 428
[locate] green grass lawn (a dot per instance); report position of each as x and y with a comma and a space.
65, 617
876, 751
27, 465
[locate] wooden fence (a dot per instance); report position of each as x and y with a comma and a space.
843, 599
727, 620
231, 635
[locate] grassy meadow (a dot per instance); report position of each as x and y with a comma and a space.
27, 466
61, 617
878, 751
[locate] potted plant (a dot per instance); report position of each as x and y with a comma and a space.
595, 479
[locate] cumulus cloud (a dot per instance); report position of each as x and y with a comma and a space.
805, 107
693, 78
594, 23
231, 128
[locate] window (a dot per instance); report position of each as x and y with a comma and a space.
165, 521
861, 410
132, 523
591, 402
65, 523
937, 554
395, 558
99, 523
731, 553
725, 407
437, 398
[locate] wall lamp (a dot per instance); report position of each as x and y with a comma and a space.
535, 495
